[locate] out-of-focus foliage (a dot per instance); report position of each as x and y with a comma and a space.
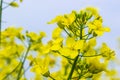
14, 4
72, 49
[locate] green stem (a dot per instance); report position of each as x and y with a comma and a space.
67, 32
8, 5
73, 68
0, 19
64, 56
21, 67
81, 27
11, 71
92, 55
51, 77
89, 35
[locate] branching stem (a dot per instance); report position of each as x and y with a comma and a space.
21, 67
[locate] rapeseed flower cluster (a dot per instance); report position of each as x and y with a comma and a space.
71, 54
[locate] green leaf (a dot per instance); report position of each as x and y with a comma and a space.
14, 4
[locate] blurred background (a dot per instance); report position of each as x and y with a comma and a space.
33, 15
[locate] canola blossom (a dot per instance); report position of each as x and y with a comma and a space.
72, 49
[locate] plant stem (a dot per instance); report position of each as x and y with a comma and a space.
0, 19
73, 67
7, 5
81, 28
21, 67
11, 71
63, 55
92, 55
67, 32
51, 77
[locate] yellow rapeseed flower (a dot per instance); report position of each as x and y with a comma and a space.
97, 27
106, 51
56, 33
65, 20
93, 11
95, 65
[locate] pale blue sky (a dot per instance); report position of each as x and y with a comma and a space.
34, 14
